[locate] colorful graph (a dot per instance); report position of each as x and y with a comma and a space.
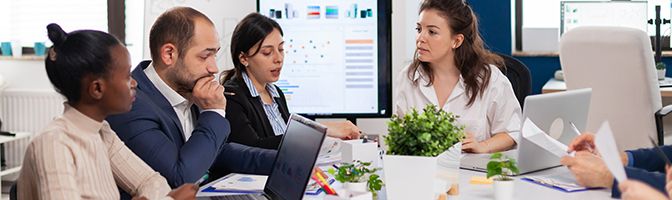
313, 12
286, 87
331, 12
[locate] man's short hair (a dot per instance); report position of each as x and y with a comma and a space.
174, 26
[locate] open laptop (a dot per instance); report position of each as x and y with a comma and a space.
548, 111
293, 164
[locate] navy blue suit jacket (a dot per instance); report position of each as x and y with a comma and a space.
647, 167
152, 131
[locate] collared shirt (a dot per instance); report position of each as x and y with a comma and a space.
271, 110
494, 112
181, 106
76, 157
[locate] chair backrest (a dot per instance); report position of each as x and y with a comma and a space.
617, 63
519, 76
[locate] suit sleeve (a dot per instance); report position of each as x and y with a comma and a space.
649, 160
143, 132
242, 130
653, 179
237, 158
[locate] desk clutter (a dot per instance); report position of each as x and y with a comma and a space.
402, 178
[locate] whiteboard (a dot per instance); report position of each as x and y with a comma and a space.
225, 14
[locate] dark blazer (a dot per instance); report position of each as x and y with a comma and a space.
249, 122
647, 167
153, 132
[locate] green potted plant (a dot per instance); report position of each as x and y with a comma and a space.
358, 177
660, 68
500, 166
414, 140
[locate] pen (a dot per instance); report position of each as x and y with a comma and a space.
202, 179
229, 93
576, 130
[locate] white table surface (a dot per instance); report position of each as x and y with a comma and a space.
523, 189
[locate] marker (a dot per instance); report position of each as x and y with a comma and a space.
325, 185
202, 179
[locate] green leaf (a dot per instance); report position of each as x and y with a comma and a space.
499, 165
497, 155
429, 133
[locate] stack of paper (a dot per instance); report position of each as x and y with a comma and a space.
242, 182
556, 183
330, 152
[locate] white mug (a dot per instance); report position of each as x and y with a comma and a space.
16, 48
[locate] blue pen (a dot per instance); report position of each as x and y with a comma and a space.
202, 179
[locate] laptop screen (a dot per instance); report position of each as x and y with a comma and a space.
296, 158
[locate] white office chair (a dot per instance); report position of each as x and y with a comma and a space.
617, 63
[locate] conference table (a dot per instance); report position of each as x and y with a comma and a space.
522, 190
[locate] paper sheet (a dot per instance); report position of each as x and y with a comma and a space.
243, 182
535, 135
330, 151
606, 145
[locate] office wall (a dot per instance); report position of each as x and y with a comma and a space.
25, 75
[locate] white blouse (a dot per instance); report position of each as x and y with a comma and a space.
494, 112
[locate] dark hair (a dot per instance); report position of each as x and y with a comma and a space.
251, 30
75, 55
174, 26
471, 57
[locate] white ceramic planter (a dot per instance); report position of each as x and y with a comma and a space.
504, 190
356, 187
409, 177
661, 74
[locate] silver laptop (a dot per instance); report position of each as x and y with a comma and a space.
293, 164
552, 113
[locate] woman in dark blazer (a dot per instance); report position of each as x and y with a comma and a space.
249, 122
256, 108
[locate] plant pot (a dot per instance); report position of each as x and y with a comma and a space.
356, 187
504, 189
661, 74
411, 177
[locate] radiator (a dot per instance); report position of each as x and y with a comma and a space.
26, 111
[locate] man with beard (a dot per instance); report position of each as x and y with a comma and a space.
177, 124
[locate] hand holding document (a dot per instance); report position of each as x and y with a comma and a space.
535, 135
606, 145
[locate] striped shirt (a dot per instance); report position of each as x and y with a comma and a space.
76, 157
271, 110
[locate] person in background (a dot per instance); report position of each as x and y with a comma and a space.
257, 108
78, 155
177, 124
452, 70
